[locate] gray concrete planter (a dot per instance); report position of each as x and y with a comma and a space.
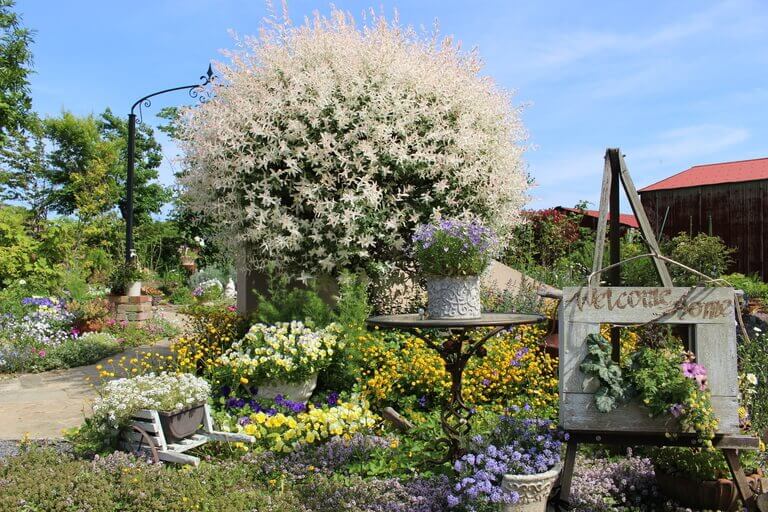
532, 489
453, 297
293, 391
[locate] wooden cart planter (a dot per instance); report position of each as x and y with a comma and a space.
145, 434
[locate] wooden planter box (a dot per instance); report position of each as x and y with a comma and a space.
709, 312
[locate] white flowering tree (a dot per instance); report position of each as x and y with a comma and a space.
329, 143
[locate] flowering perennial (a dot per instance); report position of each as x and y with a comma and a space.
332, 141
283, 432
454, 248
286, 352
121, 398
517, 446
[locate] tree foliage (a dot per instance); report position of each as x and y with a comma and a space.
15, 65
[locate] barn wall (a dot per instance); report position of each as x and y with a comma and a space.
735, 211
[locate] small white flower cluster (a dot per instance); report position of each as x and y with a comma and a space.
121, 398
286, 351
331, 142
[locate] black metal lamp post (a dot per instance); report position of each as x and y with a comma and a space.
195, 92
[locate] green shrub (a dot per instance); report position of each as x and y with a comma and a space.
87, 349
753, 287
707, 254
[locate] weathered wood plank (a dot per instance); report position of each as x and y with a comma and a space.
150, 427
187, 443
131, 436
634, 305
572, 352
602, 219
207, 419
143, 414
642, 220
179, 458
578, 412
723, 441
230, 437
716, 350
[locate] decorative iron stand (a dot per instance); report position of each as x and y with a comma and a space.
197, 91
456, 349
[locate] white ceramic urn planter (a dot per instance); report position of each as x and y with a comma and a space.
293, 391
453, 297
133, 289
533, 490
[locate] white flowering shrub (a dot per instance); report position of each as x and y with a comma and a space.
330, 143
121, 398
285, 352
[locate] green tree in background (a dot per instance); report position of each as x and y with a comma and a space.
87, 165
15, 68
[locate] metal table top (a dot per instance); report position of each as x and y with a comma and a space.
415, 320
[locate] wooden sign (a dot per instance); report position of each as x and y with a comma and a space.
710, 312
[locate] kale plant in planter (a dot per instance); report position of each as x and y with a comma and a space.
665, 379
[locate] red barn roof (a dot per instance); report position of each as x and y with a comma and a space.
715, 174
626, 219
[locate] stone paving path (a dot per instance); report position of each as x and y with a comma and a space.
42, 405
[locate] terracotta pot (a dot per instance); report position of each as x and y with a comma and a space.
720, 494
190, 266
178, 425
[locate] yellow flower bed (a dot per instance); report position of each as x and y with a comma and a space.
283, 433
515, 371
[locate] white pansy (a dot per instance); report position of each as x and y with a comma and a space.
752, 379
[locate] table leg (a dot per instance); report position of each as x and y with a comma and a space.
456, 415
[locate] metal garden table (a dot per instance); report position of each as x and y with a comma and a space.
456, 348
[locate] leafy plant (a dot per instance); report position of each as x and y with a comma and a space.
123, 276
454, 248
665, 380
613, 389
707, 254
700, 464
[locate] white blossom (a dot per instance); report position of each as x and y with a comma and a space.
332, 141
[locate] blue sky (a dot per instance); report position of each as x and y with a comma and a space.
673, 84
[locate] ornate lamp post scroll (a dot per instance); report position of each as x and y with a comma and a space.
195, 91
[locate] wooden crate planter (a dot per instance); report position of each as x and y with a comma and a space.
145, 434
709, 312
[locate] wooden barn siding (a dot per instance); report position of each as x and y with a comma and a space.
738, 217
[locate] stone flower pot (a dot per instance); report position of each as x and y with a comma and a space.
720, 494
533, 490
453, 297
181, 424
133, 289
293, 391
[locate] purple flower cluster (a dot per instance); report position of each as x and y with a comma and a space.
601, 485
472, 234
294, 407
516, 446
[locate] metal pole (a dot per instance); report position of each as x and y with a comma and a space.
129, 189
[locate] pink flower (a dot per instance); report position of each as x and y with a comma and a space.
231, 308
692, 370
41, 353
